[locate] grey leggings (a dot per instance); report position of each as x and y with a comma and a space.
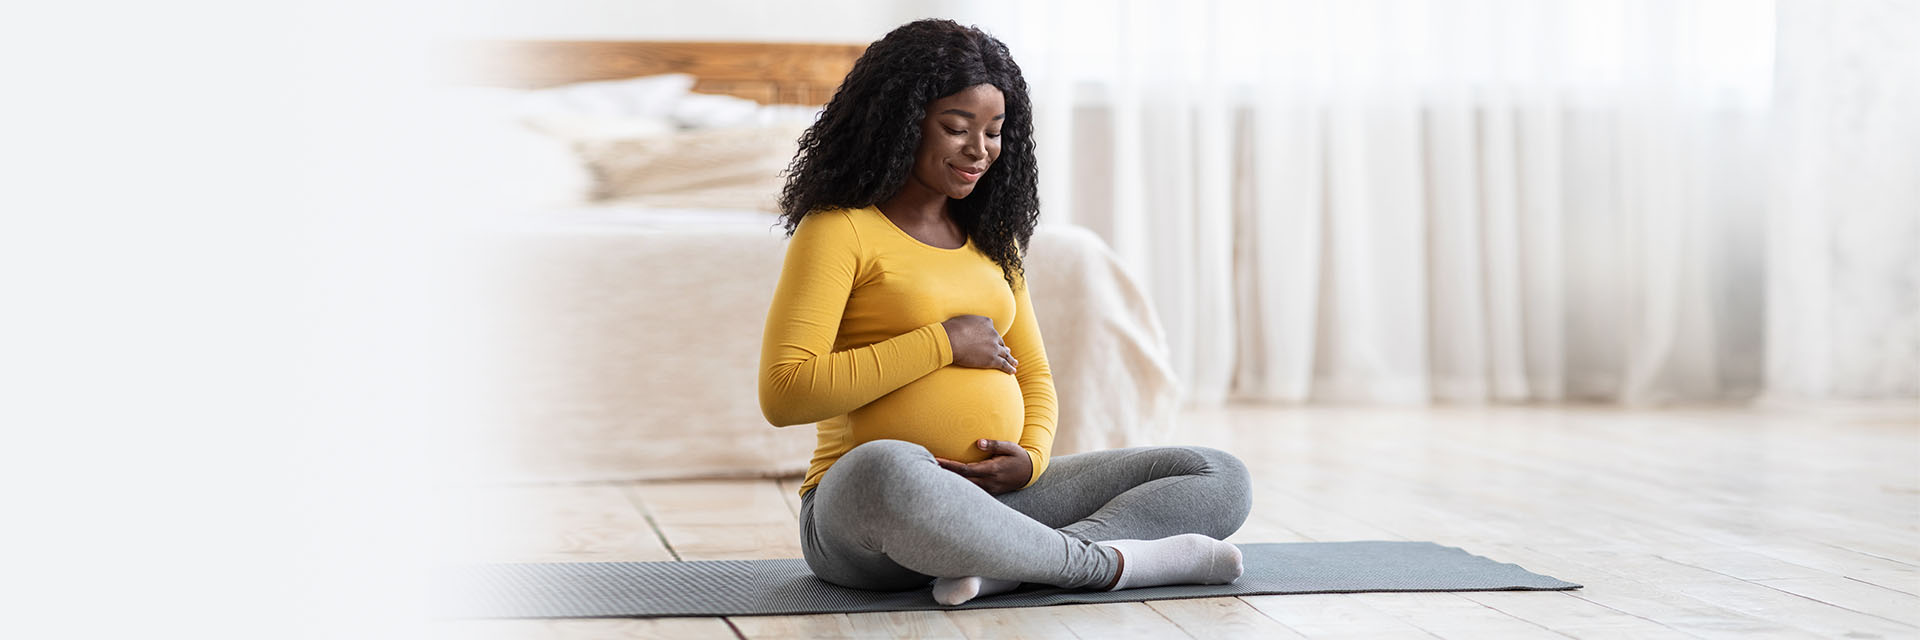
885, 516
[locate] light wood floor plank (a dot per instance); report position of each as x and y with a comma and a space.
1222, 618
1564, 571
1854, 595
715, 502
1333, 615
722, 520
1448, 615
1708, 586
1742, 564
991, 624
1571, 615
906, 624
546, 524
1907, 582
1634, 599
1116, 620
1792, 610
1824, 557
790, 491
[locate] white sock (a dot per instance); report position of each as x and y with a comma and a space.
952, 591
1188, 558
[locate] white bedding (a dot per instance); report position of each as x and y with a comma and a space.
628, 341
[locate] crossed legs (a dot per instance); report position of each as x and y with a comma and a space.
887, 517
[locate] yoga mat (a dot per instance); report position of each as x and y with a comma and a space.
782, 587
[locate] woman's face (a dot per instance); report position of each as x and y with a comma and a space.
959, 140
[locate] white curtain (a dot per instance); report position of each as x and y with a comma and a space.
1844, 238
1402, 201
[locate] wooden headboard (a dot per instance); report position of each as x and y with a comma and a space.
768, 72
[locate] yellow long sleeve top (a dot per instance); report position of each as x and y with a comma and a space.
854, 342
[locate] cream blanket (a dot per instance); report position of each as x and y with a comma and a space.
627, 348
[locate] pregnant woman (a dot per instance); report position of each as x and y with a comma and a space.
902, 325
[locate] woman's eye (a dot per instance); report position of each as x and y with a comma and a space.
993, 135
953, 132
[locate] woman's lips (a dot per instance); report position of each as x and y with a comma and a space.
964, 175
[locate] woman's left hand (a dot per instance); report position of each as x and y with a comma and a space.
1006, 468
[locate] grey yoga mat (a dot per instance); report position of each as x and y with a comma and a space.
778, 587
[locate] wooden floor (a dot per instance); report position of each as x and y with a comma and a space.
1680, 523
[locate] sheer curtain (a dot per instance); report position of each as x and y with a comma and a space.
1399, 201
1843, 301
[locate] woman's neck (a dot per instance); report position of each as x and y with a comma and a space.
916, 205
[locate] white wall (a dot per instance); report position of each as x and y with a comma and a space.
848, 21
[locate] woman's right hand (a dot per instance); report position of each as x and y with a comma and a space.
976, 344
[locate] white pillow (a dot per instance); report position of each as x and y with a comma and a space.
706, 111
721, 167
579, 126
774, 113
650, 140
642, 97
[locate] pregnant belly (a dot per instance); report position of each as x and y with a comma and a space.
946, 411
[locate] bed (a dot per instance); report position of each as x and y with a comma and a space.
627, 298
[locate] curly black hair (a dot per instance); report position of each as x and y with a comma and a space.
861, 150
